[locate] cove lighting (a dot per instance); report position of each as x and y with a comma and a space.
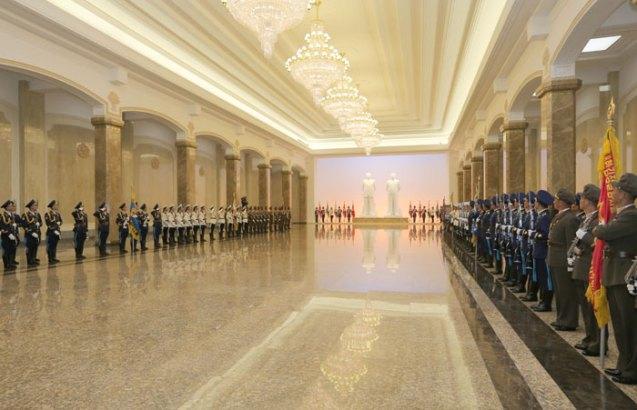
600, 44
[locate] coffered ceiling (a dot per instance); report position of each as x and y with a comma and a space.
415, 60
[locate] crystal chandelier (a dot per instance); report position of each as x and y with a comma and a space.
359, 125
317, 65
268, 18
369, 141
343, 100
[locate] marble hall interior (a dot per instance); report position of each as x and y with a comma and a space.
291, 204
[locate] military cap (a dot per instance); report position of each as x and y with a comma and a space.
513, 198
102, 205
7, 203
494, 199
521, 197
143, 207
578, 196
544, 198
51, 204
79, 205
565, 196
156, 207
487, 203
627, 183
122, 205
472, 203
505, 198
31, 203
591, 192
531, 196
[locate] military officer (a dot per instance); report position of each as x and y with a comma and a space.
80, 229
9, 235
532, 285
31, 223
581, 252
122, 221
561, 236
172, 225
540, 251
103, 225
143, 221
158, 226
203, 223
222, 220
53, 221
620, 235
212, 219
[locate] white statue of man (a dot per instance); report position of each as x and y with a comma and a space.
369, 188
393, 187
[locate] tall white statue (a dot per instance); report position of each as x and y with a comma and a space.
369, 187
393, 187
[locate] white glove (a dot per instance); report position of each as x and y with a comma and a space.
632, 289
12, 237
35, 235
580, 233
37, 224
497, 226
57, 233
570, 261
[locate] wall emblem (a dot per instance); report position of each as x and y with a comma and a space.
83, 150
154, 163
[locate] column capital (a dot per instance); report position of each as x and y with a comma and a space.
459, 173
466, 167
477, 159
491, 146
232, 157
186, 143
264, 166
286, 171
562, 84
303, 176
513, 125
102, 121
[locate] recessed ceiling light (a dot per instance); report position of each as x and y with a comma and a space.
600, 44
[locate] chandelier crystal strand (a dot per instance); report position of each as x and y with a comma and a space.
367, 142
317, 65
268, 18
359, 125
343, 100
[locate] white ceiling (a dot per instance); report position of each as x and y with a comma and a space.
415, 60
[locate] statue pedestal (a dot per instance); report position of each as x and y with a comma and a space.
393, 221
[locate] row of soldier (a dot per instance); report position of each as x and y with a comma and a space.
542, 245
334, 214
421, 213
171, 226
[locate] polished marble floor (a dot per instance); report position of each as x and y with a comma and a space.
319, 317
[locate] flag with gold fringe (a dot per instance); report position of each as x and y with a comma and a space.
134, 225
609, 167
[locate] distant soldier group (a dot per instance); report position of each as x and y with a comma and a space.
334, 214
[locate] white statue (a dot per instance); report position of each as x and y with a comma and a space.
393, 187
369, 256
369, 187
393, 256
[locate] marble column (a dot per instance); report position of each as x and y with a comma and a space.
286, 187
460, 187
532, 160
513, 135
492, 166
302, 198
265, 171
108, 166
186, 156
32, 146
233, 168
477, 175
466, 182
558, 124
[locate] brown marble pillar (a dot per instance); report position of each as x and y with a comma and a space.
558, 124
186, 155
233, 168
460, 187
31, 145
302, 198
532, 160
477, 175
466, 182
286, 187
108, 166
265, 171
513, 135
492, 166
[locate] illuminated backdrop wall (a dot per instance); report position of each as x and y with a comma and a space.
423, 178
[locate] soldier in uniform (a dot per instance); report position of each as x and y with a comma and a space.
540, 251
531, 273
53, 221
494, 233
581, 253
562, 232
229, 222
213, 216
103, 225
164, 226
80, 229
179, 225
244, 219
620, 235
222, 221
31, 223
143, 232
157, 225
9, 235
202, 223
316, 214
122, 224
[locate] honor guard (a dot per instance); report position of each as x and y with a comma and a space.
134, 226
244, 219
103, 226
122, 221
203, 223
620, 235
212, 219
171, 221
9, 235
540, 251
222, 221
80, 229
144, 221
179, 224
156, 214
194, 221
531, 272
229, 222
53, 221
31, 223
164, 226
